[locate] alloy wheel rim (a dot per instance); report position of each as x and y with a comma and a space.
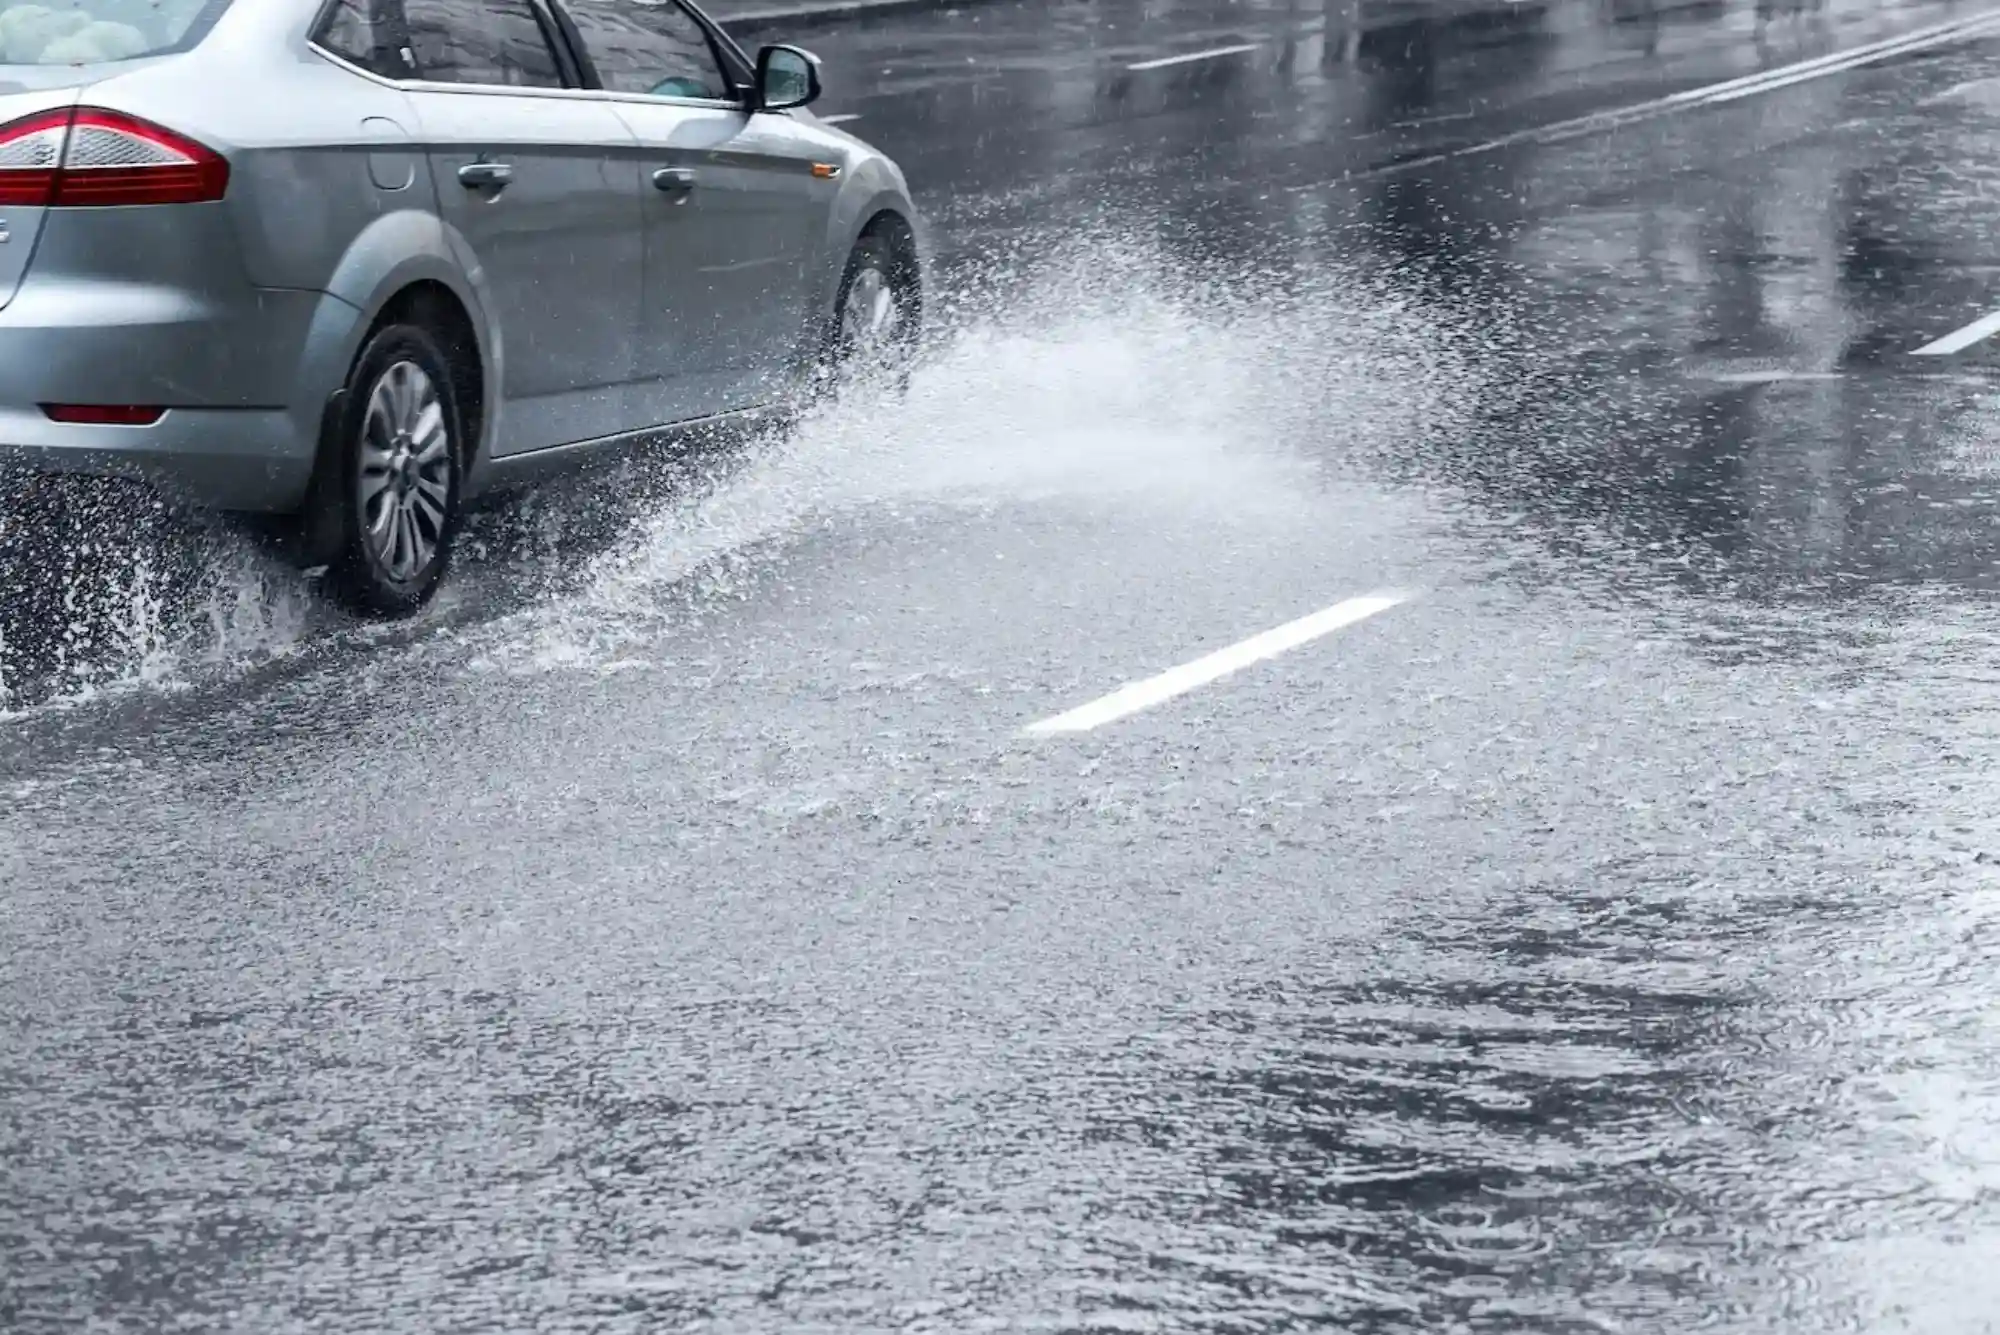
869, 315
405, 470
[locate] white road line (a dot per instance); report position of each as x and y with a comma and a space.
1145, 694
1771, 377
1958, 340
1715, 94
840, 119
1193, 56
1835, 62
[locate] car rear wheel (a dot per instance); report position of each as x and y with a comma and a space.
390, 507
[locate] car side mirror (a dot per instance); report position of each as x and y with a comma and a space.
787, 77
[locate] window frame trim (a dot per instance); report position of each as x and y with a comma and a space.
734, 66
568, 68
601, 95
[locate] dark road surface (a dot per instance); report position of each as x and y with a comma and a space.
677, 931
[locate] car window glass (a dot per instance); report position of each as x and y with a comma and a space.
365, 33
649, 46
481, 41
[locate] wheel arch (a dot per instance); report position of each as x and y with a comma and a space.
905, 251
433, 305
873, 200
407, 265
396, 272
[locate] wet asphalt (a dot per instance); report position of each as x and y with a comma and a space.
676, 930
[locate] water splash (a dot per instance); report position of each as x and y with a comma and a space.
1105, 371
104, 589
1103, 375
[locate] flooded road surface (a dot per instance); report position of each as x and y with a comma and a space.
680, 928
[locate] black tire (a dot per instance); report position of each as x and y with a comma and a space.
345, 522
874, 259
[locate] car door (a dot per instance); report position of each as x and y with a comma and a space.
539, 182
733, 210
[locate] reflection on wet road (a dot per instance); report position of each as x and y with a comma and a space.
677, 930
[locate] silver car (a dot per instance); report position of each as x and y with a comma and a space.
356, 261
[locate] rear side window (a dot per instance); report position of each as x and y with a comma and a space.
649, 46
481, 41
368, 33
94, 32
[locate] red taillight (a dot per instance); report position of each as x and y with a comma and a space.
103, 414
30, 155
86, 157
116, 159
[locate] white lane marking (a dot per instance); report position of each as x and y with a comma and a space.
1138, 695
1715, 94
1822, 377
1958, 340
1771, 377
1193, 56
840, 119
1835, 62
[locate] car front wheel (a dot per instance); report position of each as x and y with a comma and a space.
875, 317
390, 503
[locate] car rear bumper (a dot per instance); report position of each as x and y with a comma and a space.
226, 458
242, 380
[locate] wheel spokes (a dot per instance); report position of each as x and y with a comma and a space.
403, 483
427, 432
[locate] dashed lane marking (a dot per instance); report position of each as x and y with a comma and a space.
1213, 53
1130, 699
1958, 340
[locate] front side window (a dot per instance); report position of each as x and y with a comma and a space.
498, 42
649, 46
95, 32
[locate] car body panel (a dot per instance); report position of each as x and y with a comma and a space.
235, 432
303, 186
181, 272
727, 261
20, 224
242, 318
871, 188
559, 249
217, 458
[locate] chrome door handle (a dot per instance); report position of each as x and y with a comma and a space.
674, 180
486, 175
